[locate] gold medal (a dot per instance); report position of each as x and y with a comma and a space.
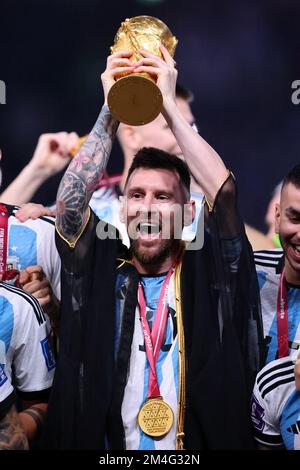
155, 418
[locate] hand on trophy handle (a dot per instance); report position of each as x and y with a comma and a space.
163, 69
117, 63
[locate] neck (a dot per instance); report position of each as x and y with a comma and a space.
292, 276
162, 266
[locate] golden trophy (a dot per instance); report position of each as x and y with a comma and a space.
135, 99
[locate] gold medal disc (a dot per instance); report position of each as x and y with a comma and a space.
155, 417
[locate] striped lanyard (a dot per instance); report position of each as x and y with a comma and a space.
153, 340
3, 238
282, 318
5, 274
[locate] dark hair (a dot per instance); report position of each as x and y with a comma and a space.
184, 93
153, 158
293, 177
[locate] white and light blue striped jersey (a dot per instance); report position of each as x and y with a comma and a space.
275, 407
189, 232
102, 203
26, 359
106, 205
269, 264
138, 376
31, 243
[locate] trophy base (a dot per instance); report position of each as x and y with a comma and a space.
135, 100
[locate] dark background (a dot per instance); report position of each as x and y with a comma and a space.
239, 57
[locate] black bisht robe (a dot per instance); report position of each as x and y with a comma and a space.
222, 328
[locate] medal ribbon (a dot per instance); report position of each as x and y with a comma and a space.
3, 238
11, 274
282, 318
153, 340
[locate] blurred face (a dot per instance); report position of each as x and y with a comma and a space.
158, 134
288, 228
152, 211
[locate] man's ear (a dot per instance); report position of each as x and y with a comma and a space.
189, 213
277, 218
122, 209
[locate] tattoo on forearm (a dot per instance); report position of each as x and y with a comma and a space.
12, 436
83, 175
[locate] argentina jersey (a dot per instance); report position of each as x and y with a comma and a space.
275, 406
189, 232
26, 359
138, 375
33, 243
269, 264
106, 205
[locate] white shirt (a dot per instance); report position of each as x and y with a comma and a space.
275, 407
268, 267
31, 243
26, 359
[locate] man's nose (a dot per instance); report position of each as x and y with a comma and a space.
148, 204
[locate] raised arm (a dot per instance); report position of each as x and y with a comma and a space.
87, 167
52, 154
82, 176
204, 163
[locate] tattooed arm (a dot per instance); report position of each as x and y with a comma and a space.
84, 172
12, 435
83, 175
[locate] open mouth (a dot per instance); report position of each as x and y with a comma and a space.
148, 229
294, 252
296, 249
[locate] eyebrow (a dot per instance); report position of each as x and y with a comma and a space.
139, 189
292, 211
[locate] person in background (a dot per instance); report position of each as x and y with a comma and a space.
30, 246
278, 272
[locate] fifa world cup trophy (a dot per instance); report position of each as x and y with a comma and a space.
135, 98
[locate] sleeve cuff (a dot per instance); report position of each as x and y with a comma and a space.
269, 440
73, 244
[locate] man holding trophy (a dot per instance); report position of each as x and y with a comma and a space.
159, 345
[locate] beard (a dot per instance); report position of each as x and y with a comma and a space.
146, 257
